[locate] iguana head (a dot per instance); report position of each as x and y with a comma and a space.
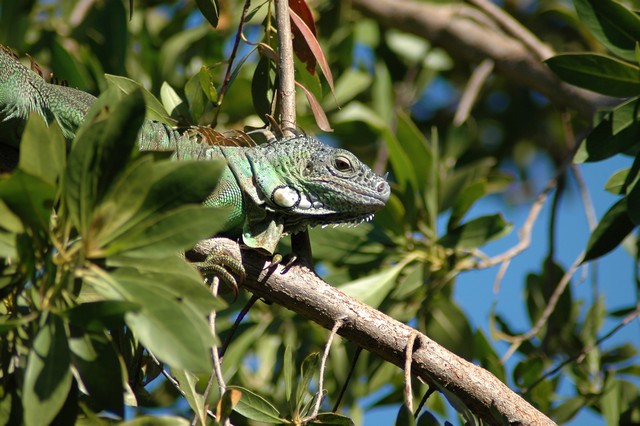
306, 183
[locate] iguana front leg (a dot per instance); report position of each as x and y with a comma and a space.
216, 261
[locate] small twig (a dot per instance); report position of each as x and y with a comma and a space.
173, 380
323, 362
352, 369
232, 56
471, 91
584, 351
548, 310
217, 367
408, 392
515, 28
286, 69
525, 232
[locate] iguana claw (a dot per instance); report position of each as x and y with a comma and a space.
221, 264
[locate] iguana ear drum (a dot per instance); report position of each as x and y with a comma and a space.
285, 196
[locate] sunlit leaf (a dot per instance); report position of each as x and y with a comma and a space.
596, 72
188, 382
373, 289
42, 150
616, 183
155, 110
255, 407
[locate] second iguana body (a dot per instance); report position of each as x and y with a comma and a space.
274, 188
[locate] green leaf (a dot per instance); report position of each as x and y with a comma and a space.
209, 9
179, 276
30, 198
154, 109
617, 182
465, 200
568, 409
614, 226
255, 407
157, 421
148, 189
418, 149
287, 368
43, 149
8, 220
100, 315
615, 26
602, 143
332, 419
173, 103
528, 371
456, 184
373, 289
308, 370
405, 417
165, 324
164, 234
625, 114
596, 72
195, 97
98, 369
476, 232
611, 401
428, 419
208, 83
47, 377
228, 401
262, 86
188, 382
448, 325
350, 84
117, 141
487, 356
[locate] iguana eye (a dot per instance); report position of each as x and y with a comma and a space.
342, 164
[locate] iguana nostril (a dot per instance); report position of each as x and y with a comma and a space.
381, 187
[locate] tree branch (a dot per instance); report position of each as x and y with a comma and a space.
473, 36
302, 291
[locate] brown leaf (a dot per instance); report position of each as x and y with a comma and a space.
318, 113
300, 46
314, 46
228, 138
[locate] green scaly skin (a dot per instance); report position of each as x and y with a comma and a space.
272, 189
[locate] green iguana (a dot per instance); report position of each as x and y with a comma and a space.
274, 188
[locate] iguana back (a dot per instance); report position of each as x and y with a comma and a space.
274, 188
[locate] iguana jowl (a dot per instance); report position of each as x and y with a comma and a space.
273, 188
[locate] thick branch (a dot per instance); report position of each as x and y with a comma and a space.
469, 34
302, 291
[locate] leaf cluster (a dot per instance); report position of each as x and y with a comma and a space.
92, 288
